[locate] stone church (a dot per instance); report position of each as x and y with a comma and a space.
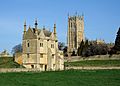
75, 32
40, 49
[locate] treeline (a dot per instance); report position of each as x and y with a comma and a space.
89, 49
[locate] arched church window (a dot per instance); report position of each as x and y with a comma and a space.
28, 44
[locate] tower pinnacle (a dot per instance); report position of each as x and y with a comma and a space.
54, 32
36, 23
25, 26
36, 26
68, 15
54, 28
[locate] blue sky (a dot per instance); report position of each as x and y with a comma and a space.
102, 18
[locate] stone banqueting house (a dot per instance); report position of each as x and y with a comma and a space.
40, 49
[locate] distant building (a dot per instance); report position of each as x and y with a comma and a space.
98, 41
40, 49
5, 54
75, 32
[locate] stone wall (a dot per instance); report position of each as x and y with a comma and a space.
91, 68
97, 57
4, 70
18, 58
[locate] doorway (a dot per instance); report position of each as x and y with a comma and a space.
45, 67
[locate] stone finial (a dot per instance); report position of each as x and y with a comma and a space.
43, 27
25, 23
68, 16
55, 28
25, 26
29, 27
36, 23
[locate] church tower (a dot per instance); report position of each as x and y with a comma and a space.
75, 32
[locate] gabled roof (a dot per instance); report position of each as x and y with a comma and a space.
45, 31
41, 34
29, 34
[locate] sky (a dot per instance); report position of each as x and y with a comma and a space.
101, 18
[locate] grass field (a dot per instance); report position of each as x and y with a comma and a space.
102, 63
62, 78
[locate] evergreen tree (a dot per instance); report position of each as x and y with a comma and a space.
80, 48
117, 41
85, 47
86, 44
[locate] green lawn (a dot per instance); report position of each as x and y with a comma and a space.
7, 62
103, 63
62, 78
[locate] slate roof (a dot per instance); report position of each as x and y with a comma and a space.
47, 33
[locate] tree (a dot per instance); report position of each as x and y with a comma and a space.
117, 41
85, 47
61, 45
16, 49
88, 52
112, 51
86, 44
80, 48
65, 51
96, 49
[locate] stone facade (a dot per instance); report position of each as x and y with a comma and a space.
75, 32
18, 58
40, 49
